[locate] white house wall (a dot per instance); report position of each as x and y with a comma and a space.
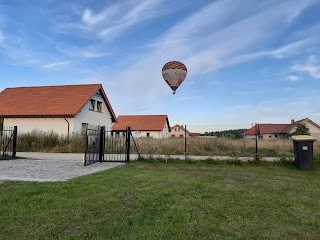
60, 126
25, 125
93, 118
314, 131
153, 134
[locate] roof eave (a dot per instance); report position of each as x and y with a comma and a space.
39, 116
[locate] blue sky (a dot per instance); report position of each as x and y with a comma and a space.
248, 61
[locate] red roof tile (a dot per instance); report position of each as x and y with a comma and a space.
51, 101
142, 122
268, 129
182, 128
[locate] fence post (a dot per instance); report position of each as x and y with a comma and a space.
256, 130
185, 142
86, 148
101, 145
128, 143
14, 142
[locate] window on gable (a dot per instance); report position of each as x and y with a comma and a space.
99, 106
92, 105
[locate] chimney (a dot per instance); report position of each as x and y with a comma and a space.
292, 121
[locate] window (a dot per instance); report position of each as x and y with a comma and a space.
276, 135
99, 106
175, 129
93, 105
148, 134
173, 135
181, 135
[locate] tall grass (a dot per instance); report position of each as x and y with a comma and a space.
219, 147
52, 142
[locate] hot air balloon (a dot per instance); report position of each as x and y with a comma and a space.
174, 73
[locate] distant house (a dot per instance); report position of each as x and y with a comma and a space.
156, 126
278, 131
61, 109
180, 131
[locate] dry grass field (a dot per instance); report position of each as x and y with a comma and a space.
41, 142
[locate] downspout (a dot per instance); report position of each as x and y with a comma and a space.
68, 126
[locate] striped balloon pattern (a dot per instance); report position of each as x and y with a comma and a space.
174, 73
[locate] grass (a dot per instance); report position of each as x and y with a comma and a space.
174, 200
52, 142
220, 147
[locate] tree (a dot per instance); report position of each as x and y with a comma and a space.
301, 129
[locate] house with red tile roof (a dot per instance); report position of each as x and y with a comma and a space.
61, 109
156, 126
280, 131
179, 131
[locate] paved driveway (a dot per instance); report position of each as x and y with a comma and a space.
49, 167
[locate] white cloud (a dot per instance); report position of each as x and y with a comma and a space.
54, 65
206, 44
311, 67
114, 19
295, 11
293, 78
86, 52
1, 38
278, 110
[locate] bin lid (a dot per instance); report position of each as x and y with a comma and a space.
302, 138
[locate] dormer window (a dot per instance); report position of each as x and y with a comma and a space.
99, 106
93, 105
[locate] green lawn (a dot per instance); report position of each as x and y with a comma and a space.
158, 200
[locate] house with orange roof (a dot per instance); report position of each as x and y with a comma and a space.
280, 131
179, 131
61, 109
156, 126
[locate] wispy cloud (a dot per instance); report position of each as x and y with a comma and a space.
54, 65
311, 67
295, 11
1, 38
236, 34
115, 18
89, 52
187, 98
293, 78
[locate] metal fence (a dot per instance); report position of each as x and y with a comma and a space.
8, 142
108, 145
215, 141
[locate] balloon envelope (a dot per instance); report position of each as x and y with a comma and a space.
174, 73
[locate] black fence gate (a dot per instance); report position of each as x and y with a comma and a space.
108, 145
8, 142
